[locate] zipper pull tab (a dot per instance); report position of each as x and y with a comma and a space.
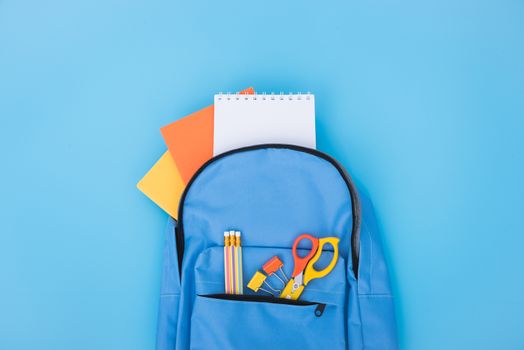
320, 310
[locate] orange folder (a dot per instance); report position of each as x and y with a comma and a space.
190, 140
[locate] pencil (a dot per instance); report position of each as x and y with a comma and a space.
232, 259
235, 265
240, 279
226, 262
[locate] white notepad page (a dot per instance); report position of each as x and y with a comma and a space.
245, 120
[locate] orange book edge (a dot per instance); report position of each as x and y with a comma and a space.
165, 182
190, 139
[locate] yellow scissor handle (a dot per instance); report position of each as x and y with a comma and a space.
310, 273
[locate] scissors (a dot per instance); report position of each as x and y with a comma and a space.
304, 270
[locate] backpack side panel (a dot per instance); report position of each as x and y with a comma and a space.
376, 304
169, 292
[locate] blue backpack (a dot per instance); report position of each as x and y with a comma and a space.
272, 194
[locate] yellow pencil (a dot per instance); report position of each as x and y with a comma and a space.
231, 266
237, 288
240, 280
226, 262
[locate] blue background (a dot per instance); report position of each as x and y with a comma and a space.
423, 101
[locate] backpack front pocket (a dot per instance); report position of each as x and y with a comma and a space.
256, 322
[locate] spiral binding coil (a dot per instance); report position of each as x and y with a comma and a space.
228, 96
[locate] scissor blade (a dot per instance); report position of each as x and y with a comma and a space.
298, 280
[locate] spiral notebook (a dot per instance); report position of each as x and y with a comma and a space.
245, 120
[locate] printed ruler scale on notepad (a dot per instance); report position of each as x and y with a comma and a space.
245, 120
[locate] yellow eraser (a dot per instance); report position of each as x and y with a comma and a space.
256, 281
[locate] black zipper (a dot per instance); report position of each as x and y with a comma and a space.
355, 202
319, 310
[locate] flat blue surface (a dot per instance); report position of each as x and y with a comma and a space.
422, 101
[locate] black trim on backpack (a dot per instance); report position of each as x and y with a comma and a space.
355, 202
319, 310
